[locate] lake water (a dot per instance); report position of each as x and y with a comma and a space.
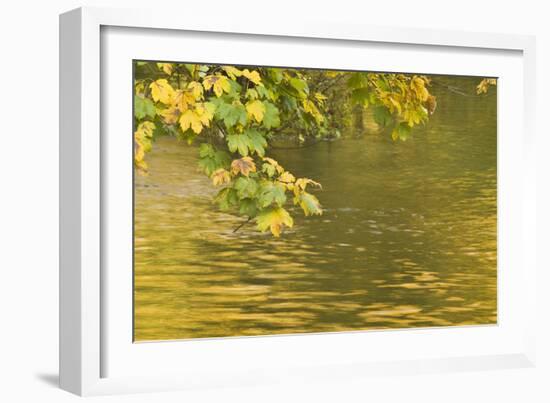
407, 238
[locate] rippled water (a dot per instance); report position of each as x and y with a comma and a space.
408, 237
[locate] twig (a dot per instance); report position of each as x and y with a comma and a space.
242, 224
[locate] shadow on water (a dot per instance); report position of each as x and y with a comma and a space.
407, 239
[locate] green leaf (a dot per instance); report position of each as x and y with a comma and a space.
271, 192
143, 107
309, 203
248, 207
206, 150
271, 116
250, 141
245, 187
256, 141
382, 116
268, 169
227, 198
239, 142
275, 74
230, 113
360, 96
210, 159
274, 219
401, 131
300, 86
357, 80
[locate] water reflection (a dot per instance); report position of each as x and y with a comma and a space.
408, 238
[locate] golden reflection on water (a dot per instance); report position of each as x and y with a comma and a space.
412, 243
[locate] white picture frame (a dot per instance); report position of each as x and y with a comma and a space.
86, 346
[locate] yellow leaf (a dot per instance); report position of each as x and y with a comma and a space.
253, 76
204, 113
418, 85
394, 104
220, 177
320, 97
274, 219
196, 89
310, 108
162, 91
232, 72
142, 141
273, 162
287, 177
243, 165
170, 115
189, 119
145, 130
484, 84
168, 68
256, 109
431, 104
218, 83
301, 184
183, 100
140, 88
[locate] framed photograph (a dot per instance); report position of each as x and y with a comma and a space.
249, 203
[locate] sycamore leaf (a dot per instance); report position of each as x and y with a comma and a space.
268, 169
272, 192
227, 198
188, 120
170, 115
143, 107
419, 87
311, 108
360, 96
168, 68
220, 177
243, 165
205, 111
382, 116
211, 159
253, 76
301, 184
245, 187
287, 177
484, 84
256, 110
142, 140
183, 99
238, 142
145, 131
300, 86
431, 104
401, 131
218, 83
162, 91
196, 89
248, 207
274, 164
271, 116
230, 113
232, 72
251, 93
320, 97
309, 203
256, 141
274, 219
